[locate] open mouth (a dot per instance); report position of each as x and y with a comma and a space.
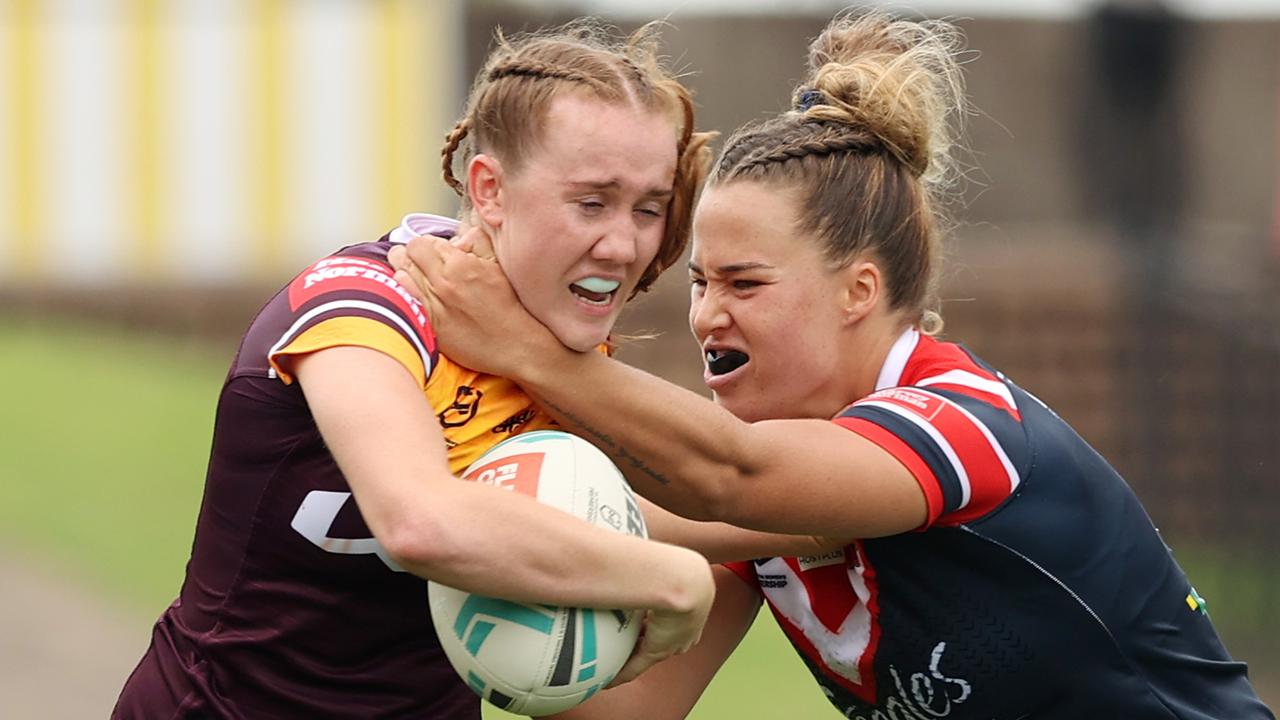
594, 290
722, 362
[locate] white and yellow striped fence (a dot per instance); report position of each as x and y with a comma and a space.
215, 141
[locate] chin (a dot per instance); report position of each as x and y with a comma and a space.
743, 411
580, 339
584, 345
575, 331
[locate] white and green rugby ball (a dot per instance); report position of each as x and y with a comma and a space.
539, 659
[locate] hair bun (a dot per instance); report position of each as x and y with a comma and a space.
898, 79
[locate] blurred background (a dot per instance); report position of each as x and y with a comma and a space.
166, 165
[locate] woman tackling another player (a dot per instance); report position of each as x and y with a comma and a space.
995, 566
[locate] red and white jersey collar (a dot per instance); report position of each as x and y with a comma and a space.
920, 361
896, 362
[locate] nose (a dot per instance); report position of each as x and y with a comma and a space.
617, 245
707, 312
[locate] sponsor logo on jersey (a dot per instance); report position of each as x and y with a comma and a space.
518, 473
771, 581
515, 422
353, 273
811, 562
926, 694
1197, 603
923, 404
465, 406
314, 518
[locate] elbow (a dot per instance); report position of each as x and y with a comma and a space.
723, 489
406, 544
419, 543
715, 498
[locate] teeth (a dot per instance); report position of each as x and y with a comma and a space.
597, 285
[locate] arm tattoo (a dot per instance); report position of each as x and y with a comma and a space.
607, 443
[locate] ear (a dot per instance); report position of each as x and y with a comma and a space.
484, 189
863, 285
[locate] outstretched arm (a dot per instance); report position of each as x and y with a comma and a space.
721, 542
679, 449
698, 460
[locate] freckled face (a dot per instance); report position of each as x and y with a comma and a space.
764, 304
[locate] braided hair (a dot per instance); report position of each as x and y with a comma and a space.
868, 145
523, 75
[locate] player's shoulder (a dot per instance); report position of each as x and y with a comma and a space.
951, 370
922, 375
348, 297
360, 278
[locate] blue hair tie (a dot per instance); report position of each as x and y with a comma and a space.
809, 98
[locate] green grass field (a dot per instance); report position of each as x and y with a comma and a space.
103, 443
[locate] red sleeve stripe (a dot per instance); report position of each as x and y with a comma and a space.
1005, 464
982, 468
896, 447
991, 391
365, 305
935, 433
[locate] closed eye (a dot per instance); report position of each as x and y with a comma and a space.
652, 209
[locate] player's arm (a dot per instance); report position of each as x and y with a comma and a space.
671, 688
721, 542
678, 449
389, 445
698, 460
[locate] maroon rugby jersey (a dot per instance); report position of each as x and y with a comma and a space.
290, 608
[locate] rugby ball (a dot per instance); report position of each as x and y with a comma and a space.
539, 659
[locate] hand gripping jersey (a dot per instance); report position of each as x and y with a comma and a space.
1038, 587
290, 608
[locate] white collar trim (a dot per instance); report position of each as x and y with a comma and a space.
418, 224
896, 362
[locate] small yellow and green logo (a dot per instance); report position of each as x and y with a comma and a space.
1197, 603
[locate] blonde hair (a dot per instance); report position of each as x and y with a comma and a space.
509, 101
869, 146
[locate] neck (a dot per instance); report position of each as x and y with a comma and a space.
468, 218
863, 349
867, 347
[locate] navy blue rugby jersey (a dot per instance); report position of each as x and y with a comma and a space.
1037, 588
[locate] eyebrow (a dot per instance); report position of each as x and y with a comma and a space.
658, 192
732, 267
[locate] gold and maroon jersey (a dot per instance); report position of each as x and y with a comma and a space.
290, 607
